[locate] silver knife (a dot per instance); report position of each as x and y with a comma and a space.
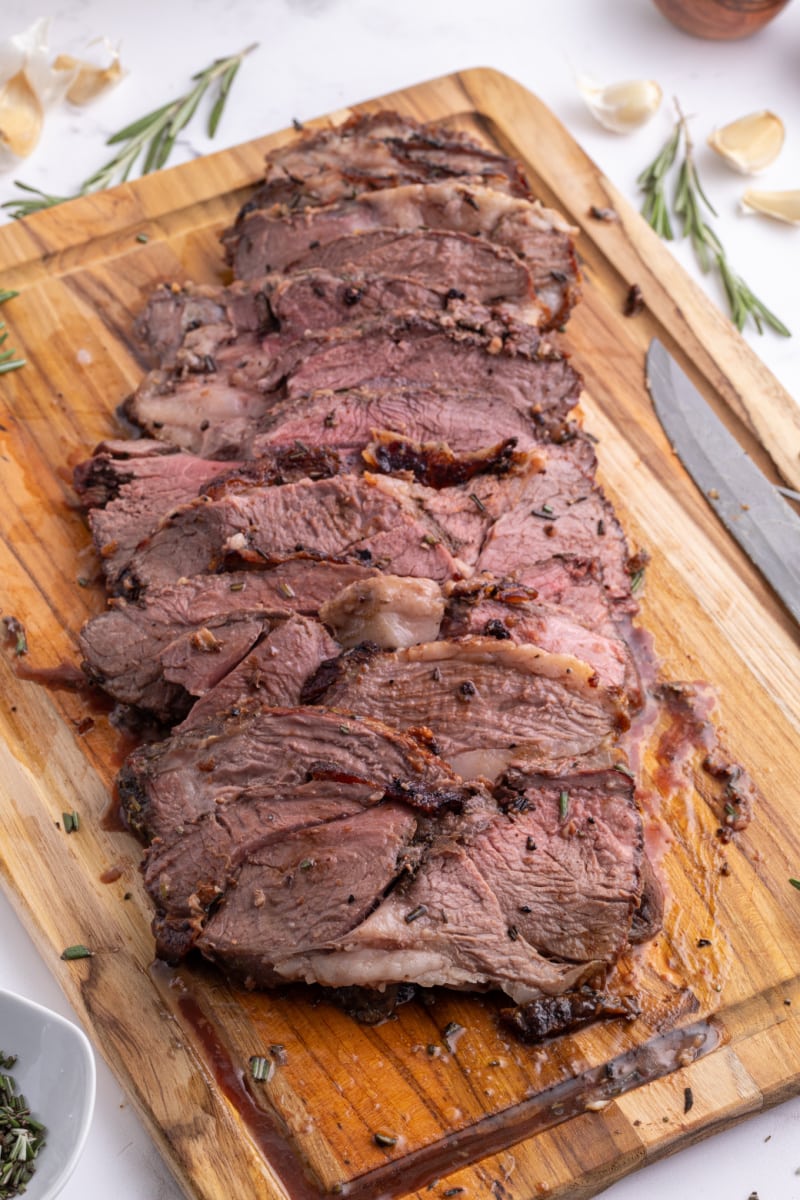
764, 525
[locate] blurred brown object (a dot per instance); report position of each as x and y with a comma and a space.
722, 20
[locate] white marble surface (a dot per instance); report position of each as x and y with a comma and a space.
320, 55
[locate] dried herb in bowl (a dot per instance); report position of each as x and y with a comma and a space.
21, 1136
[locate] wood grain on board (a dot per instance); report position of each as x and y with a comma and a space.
476, 1112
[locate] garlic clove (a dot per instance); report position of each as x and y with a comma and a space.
28, 85
621, 107
781, 206
89, 81
751, 143
21, 116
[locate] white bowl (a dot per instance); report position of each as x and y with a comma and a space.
55, 1072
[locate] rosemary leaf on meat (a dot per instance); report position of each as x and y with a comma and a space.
795, 883
691, 206
150, 138
8, 357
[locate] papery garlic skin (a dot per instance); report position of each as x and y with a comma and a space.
28, 86
780, 206
751, 143
622, 107
90, 81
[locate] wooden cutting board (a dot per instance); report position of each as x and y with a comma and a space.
473, 1113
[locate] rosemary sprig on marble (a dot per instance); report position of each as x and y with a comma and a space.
8, 359
150, 138
690, 205
655, 209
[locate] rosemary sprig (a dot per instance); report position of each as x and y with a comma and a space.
150, 138
655, 208
689, 205
7, 360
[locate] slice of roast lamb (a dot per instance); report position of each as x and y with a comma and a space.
137, 493
138, 651
213, 405
459, 937
485, 702
270, 240
345, 516
428, 350
168, 784
479, 909
318, 884
127, 497
506, 611
275, 670
395, 269
346, 420
188, 328
549, 501
375, 151
190, 873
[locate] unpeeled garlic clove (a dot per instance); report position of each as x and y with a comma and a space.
89, 81
621, 107
28, 85
781, 206
21, 116
751, 143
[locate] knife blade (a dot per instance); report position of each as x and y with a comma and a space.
750, 508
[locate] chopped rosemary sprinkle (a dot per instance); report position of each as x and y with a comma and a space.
16, 630
237, 587
415, 913
286, 590
78, 951
545, 512
345, 729
142, 237
563, 806
385, 1140
795, 883
21, 1137
261, 1068
71, 821
307, 864
688, 1099
623, 770
476, 500
637, 579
